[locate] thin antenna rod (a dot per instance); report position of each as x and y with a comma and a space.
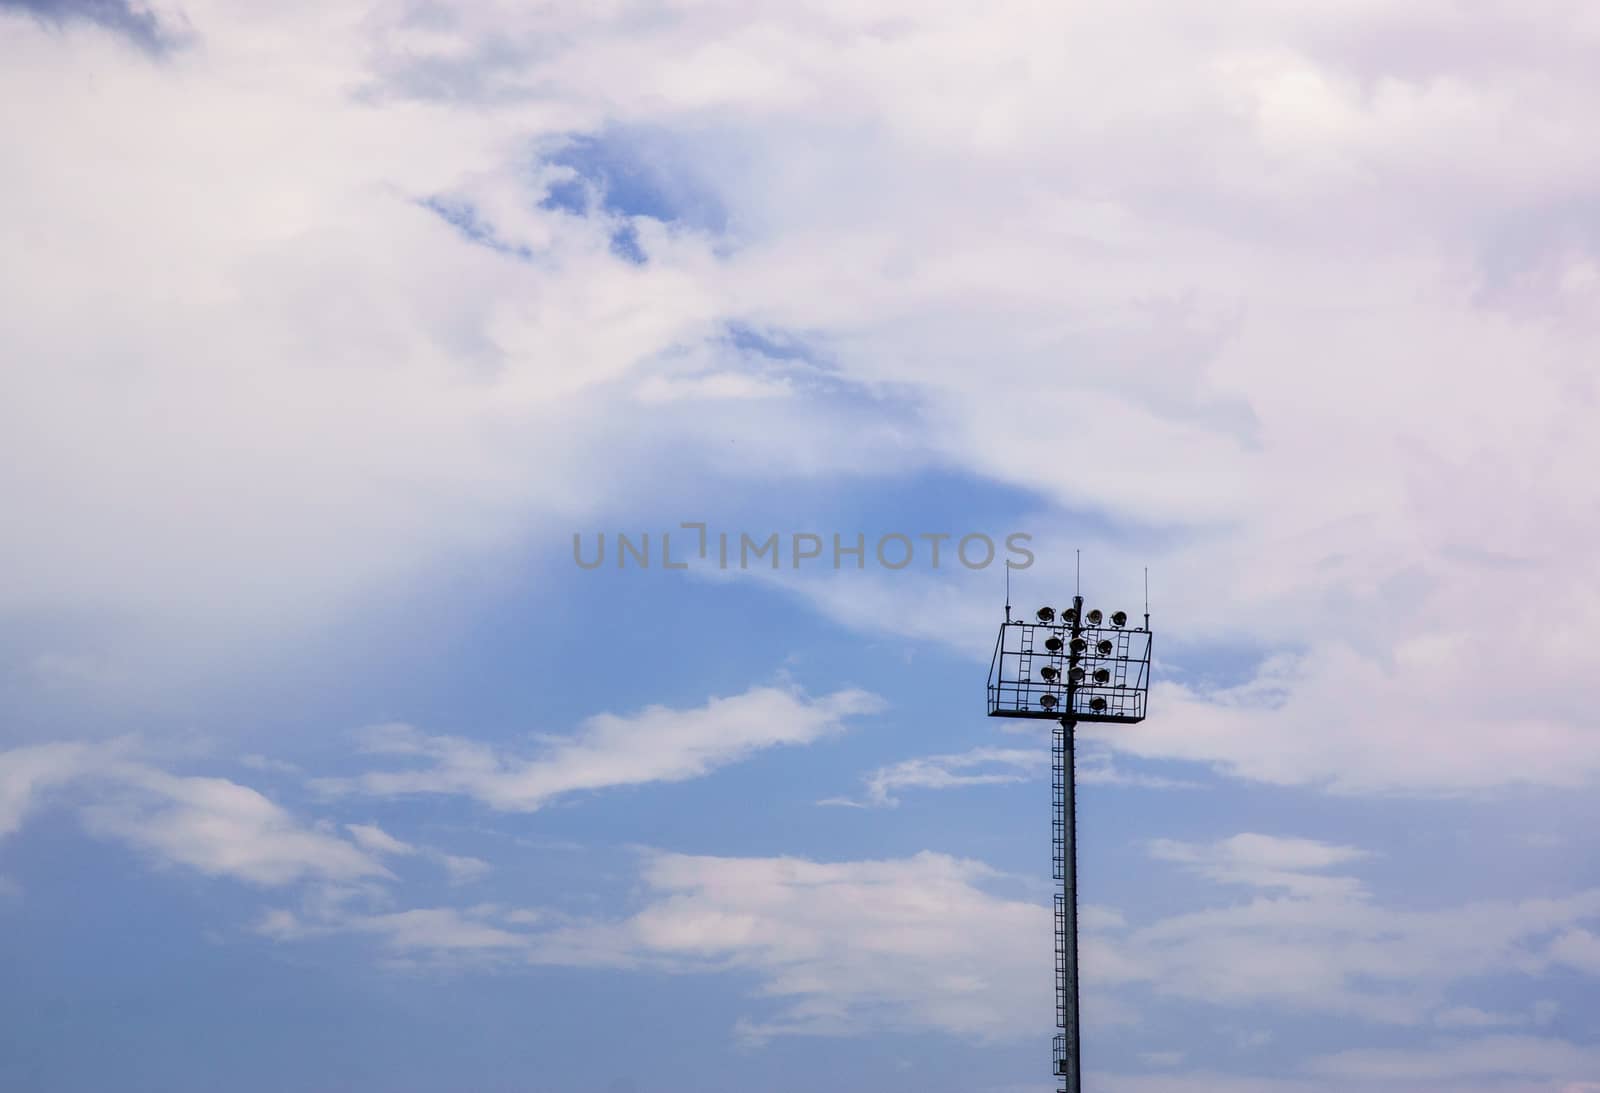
1078, 590
1008, 591
1147, 597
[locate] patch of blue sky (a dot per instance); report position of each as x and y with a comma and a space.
173, 1012
807, 357
135, 23
464, 217
625, 245
567, 195
1211, 663
623, 173
471, 226
628, 172
774, 343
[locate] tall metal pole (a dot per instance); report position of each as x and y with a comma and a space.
1068, 1061
1068, 984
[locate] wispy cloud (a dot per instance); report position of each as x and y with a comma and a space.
918, 942
268, 765
221, 828
657, 744
1099, 768
1265, 861
841, 948
1317, 942
844, 948
979, 767
460, 869
27, 773
213, 825
991, 767
1471, 1017
372, 838
1526, 1057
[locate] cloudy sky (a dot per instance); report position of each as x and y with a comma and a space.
326, 327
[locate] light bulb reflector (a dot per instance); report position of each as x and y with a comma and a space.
1119, 618
1104, 647
1095, 617
1045, 614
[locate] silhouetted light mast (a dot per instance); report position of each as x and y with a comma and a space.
1071, 667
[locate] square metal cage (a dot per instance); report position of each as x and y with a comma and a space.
1032, 673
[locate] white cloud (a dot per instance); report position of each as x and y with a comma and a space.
844, 947
223, 829
978, 767
989, 767
1471, 1017
1318, 943
459, 868
462, 869
213, 825
25, 773
439, 930
657, 744
1208, 1082
1265, 861
268, 765
1274, 261
839, 948
375, 839
1097, 768
1518, 1056
1578, 949
716, 385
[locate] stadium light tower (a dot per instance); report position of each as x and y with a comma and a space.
1072, 667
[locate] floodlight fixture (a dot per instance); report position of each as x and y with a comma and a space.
1095, 617
1078, 646
1097, 704
1045, 614
1053, 644
1119, 619
1104, 647
1069, 616
1102, 675
1075, 675
1048, 701
1048, 673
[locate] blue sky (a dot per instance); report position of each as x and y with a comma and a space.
324, 767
